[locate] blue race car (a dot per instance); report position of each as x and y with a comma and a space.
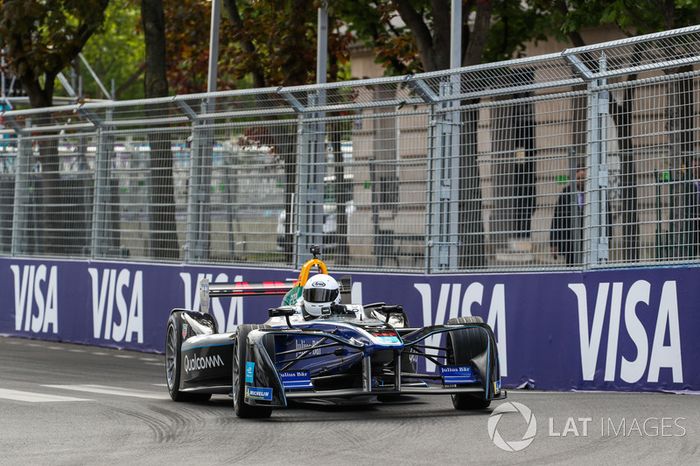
315, 348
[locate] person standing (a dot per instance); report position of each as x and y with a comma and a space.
566, 232
692, 206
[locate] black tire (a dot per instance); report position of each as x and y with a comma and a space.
242, 409
173, 356
471, 343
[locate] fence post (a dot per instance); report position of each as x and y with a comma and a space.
310, 172
98, 204
102, 186
444, 176
430, 208
22, 168
198, 184
595, 216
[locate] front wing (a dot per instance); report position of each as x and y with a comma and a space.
273, 379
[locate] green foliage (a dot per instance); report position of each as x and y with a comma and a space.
633, 17
117, 52
283, 35
513, 24
379, 25
187, 28
42, 37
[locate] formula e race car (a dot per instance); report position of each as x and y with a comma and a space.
315, 349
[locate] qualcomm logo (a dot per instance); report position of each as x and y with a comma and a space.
513, 445
199, 363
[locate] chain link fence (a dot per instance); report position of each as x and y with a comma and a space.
585, 158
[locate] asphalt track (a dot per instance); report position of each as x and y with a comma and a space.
71, 404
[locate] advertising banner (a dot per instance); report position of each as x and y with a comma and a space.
628, 329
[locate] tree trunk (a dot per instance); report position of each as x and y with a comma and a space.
163, 233
50, 214
471, 226
513, 145
622, 116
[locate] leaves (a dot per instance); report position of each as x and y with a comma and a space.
378, 24
43, 37
281, 35
116, 52
633, 17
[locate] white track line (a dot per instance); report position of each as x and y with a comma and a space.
105, 390
32, 397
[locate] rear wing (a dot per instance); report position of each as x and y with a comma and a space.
222, 290
240, 289
219, 290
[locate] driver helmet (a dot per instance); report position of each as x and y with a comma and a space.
320, 291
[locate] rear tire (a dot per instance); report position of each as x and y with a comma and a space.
472, 344
173, 343
240, 356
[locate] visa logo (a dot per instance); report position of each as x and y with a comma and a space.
36, 298
625, 307
224, 322
112, 318
452, 302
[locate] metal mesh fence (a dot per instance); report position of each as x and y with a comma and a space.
585, 158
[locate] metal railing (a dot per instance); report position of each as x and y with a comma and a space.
584, 158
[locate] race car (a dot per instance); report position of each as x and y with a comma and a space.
314, 348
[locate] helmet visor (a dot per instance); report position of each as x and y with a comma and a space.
320, 295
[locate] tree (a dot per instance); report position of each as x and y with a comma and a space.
42, 38
187, 29
631, 17
164, 243
414, 35
286, 57
116, 52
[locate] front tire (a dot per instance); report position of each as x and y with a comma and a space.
240, 356
471, 343
173, 343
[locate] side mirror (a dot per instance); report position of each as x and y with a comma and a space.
340, 309
282, 311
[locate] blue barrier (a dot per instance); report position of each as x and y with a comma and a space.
631, 329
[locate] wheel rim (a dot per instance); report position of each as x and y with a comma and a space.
170, 357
